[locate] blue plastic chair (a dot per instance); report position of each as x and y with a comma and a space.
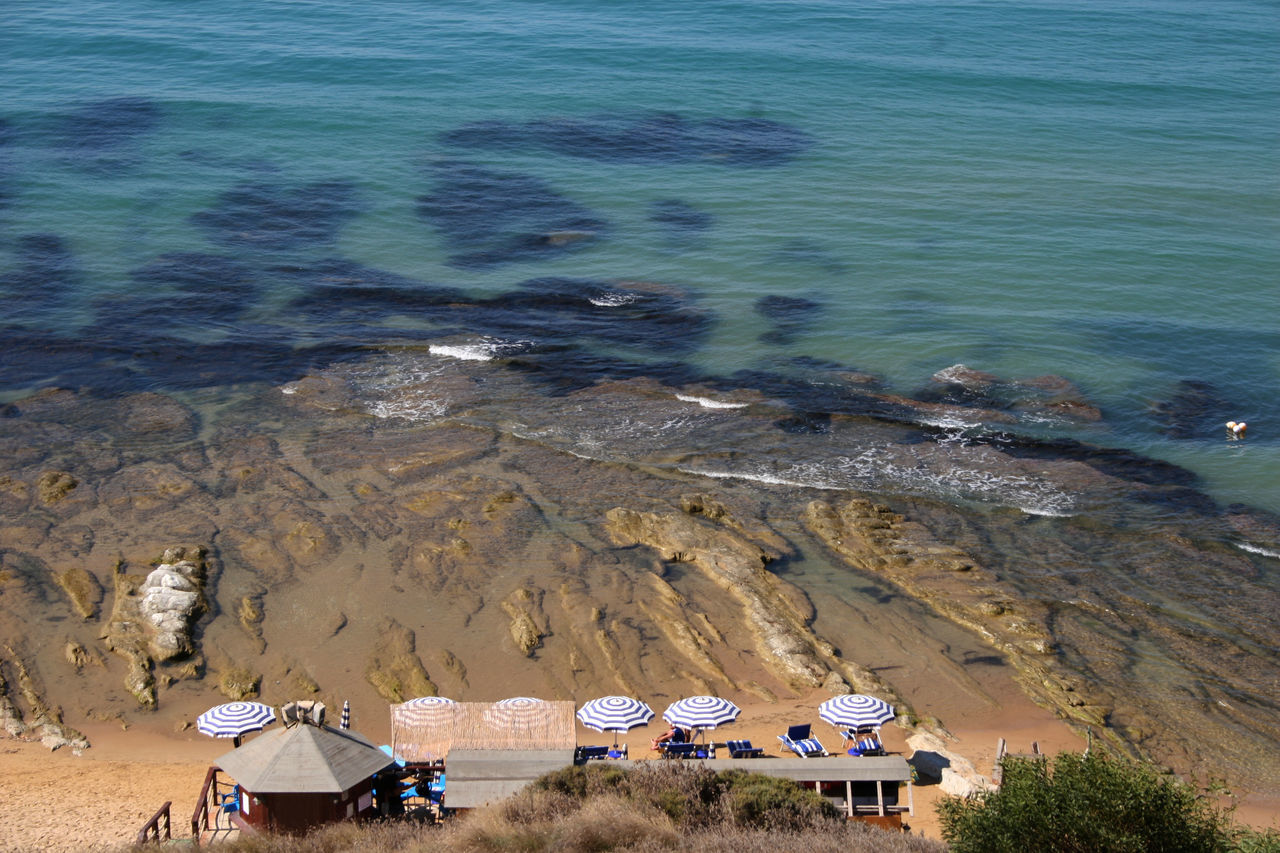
798, 740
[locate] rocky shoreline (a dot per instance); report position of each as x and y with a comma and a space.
327, 547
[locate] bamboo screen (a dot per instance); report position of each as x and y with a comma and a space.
426, 733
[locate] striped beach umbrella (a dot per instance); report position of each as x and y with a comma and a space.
424, 711
234, 719
346, 715
514, 712
701, 712
855, 709
614, 714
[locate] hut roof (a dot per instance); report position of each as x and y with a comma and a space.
304, 759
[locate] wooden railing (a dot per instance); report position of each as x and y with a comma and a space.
158, 828
200, 819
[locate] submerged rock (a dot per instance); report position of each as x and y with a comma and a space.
790, 316
1196, 410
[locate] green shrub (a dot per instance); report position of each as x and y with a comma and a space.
768, 802
1088, 803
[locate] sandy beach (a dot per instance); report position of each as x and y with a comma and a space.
100, 798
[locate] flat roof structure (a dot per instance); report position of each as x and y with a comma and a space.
860, 785
477, 777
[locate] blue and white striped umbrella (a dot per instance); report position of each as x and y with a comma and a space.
234, 719
429, 700
701, 712
614, 714
855, 710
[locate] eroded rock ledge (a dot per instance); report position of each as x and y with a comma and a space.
874, 538
42, 721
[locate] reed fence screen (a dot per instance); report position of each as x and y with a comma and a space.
426, 733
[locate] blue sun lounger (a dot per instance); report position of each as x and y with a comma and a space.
798, 740
743, 749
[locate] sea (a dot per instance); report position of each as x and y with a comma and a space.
199, 198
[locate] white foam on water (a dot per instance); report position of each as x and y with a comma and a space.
483, 349
876, 469
707, 403
948, 421
464, 352
288, 389
769, 479
401, 386
613, 299
409, 407
1257, 549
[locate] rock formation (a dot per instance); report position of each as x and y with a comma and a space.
874, 538
152, 617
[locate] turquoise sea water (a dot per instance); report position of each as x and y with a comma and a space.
1087, 190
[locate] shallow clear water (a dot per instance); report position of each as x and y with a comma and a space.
1026, 188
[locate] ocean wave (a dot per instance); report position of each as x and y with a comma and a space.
483, 349
708, 403
1257, 549
613, 299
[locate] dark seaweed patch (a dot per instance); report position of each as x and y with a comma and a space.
337, 289
105, 125
119, 365
653, 138
216, 276
488, 217
45, 273
271, 216
1112, 461
562, 309
679, 216
808, 254
791, 315
563, 370
824, 398
541, 310
1194, 411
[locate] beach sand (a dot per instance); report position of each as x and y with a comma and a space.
101, 798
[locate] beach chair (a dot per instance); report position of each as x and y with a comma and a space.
687, 750
618, 752
798, 739
743, 749
591, 753
864, 740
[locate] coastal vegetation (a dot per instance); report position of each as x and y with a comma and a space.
590, 808
1083, 803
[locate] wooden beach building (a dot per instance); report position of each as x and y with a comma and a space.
301, 776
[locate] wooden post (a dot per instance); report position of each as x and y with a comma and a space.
848, 798
880, 797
